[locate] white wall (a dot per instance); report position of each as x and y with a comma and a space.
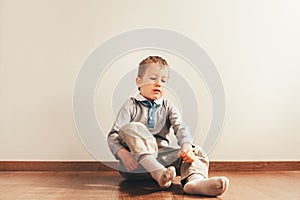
254, 44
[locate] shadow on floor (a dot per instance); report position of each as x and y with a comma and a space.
134, 188
144, 187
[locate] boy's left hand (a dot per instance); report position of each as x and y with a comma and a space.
186, 153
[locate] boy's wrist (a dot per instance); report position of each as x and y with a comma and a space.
186, 146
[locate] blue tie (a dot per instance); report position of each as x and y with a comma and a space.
151, 112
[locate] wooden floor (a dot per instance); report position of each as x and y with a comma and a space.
109, 185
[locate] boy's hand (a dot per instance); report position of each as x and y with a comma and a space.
186, 153
127, 159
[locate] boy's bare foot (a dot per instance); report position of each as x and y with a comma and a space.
214, 186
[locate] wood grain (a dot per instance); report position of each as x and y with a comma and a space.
108, 185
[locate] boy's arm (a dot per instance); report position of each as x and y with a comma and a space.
129, 162
123, 117
182, 134
181, 131
117, 149
120, 152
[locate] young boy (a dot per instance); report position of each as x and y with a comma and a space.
140, 137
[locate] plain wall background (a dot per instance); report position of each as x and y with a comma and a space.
254, 44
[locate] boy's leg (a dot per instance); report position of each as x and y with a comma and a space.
143, 148
194, 177
199, 166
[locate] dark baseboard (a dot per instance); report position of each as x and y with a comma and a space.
57, 166
215, 166
248, 166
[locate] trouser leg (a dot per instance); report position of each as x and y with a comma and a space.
199, 166
139, 141
169, 156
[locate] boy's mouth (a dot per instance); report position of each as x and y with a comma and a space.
157, 91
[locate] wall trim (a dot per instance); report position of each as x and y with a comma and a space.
215, 166
248, 166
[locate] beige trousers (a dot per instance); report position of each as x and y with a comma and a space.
139, 141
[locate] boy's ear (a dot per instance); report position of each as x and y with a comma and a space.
138, 81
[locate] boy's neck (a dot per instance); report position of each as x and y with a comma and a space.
151, 100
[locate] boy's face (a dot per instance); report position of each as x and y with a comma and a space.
152, 84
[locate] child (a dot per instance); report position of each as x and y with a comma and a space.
140, 136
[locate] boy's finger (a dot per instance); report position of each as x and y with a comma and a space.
132, 167
181, 154
189, 159
185, 159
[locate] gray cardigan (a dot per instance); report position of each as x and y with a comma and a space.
166, 116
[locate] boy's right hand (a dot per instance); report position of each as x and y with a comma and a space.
129, 162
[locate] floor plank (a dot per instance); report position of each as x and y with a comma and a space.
109, 185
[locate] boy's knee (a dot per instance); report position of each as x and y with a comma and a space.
134, 129
137, 137
199, 152
134, 125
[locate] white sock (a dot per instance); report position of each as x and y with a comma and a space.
162, 175
214, 186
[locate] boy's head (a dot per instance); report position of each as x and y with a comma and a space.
153, 74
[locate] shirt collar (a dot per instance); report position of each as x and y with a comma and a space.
140, 97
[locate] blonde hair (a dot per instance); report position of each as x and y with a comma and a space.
151, 59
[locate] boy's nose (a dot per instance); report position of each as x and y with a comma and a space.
158, 83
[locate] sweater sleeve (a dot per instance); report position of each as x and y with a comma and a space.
123, 117
181, 130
